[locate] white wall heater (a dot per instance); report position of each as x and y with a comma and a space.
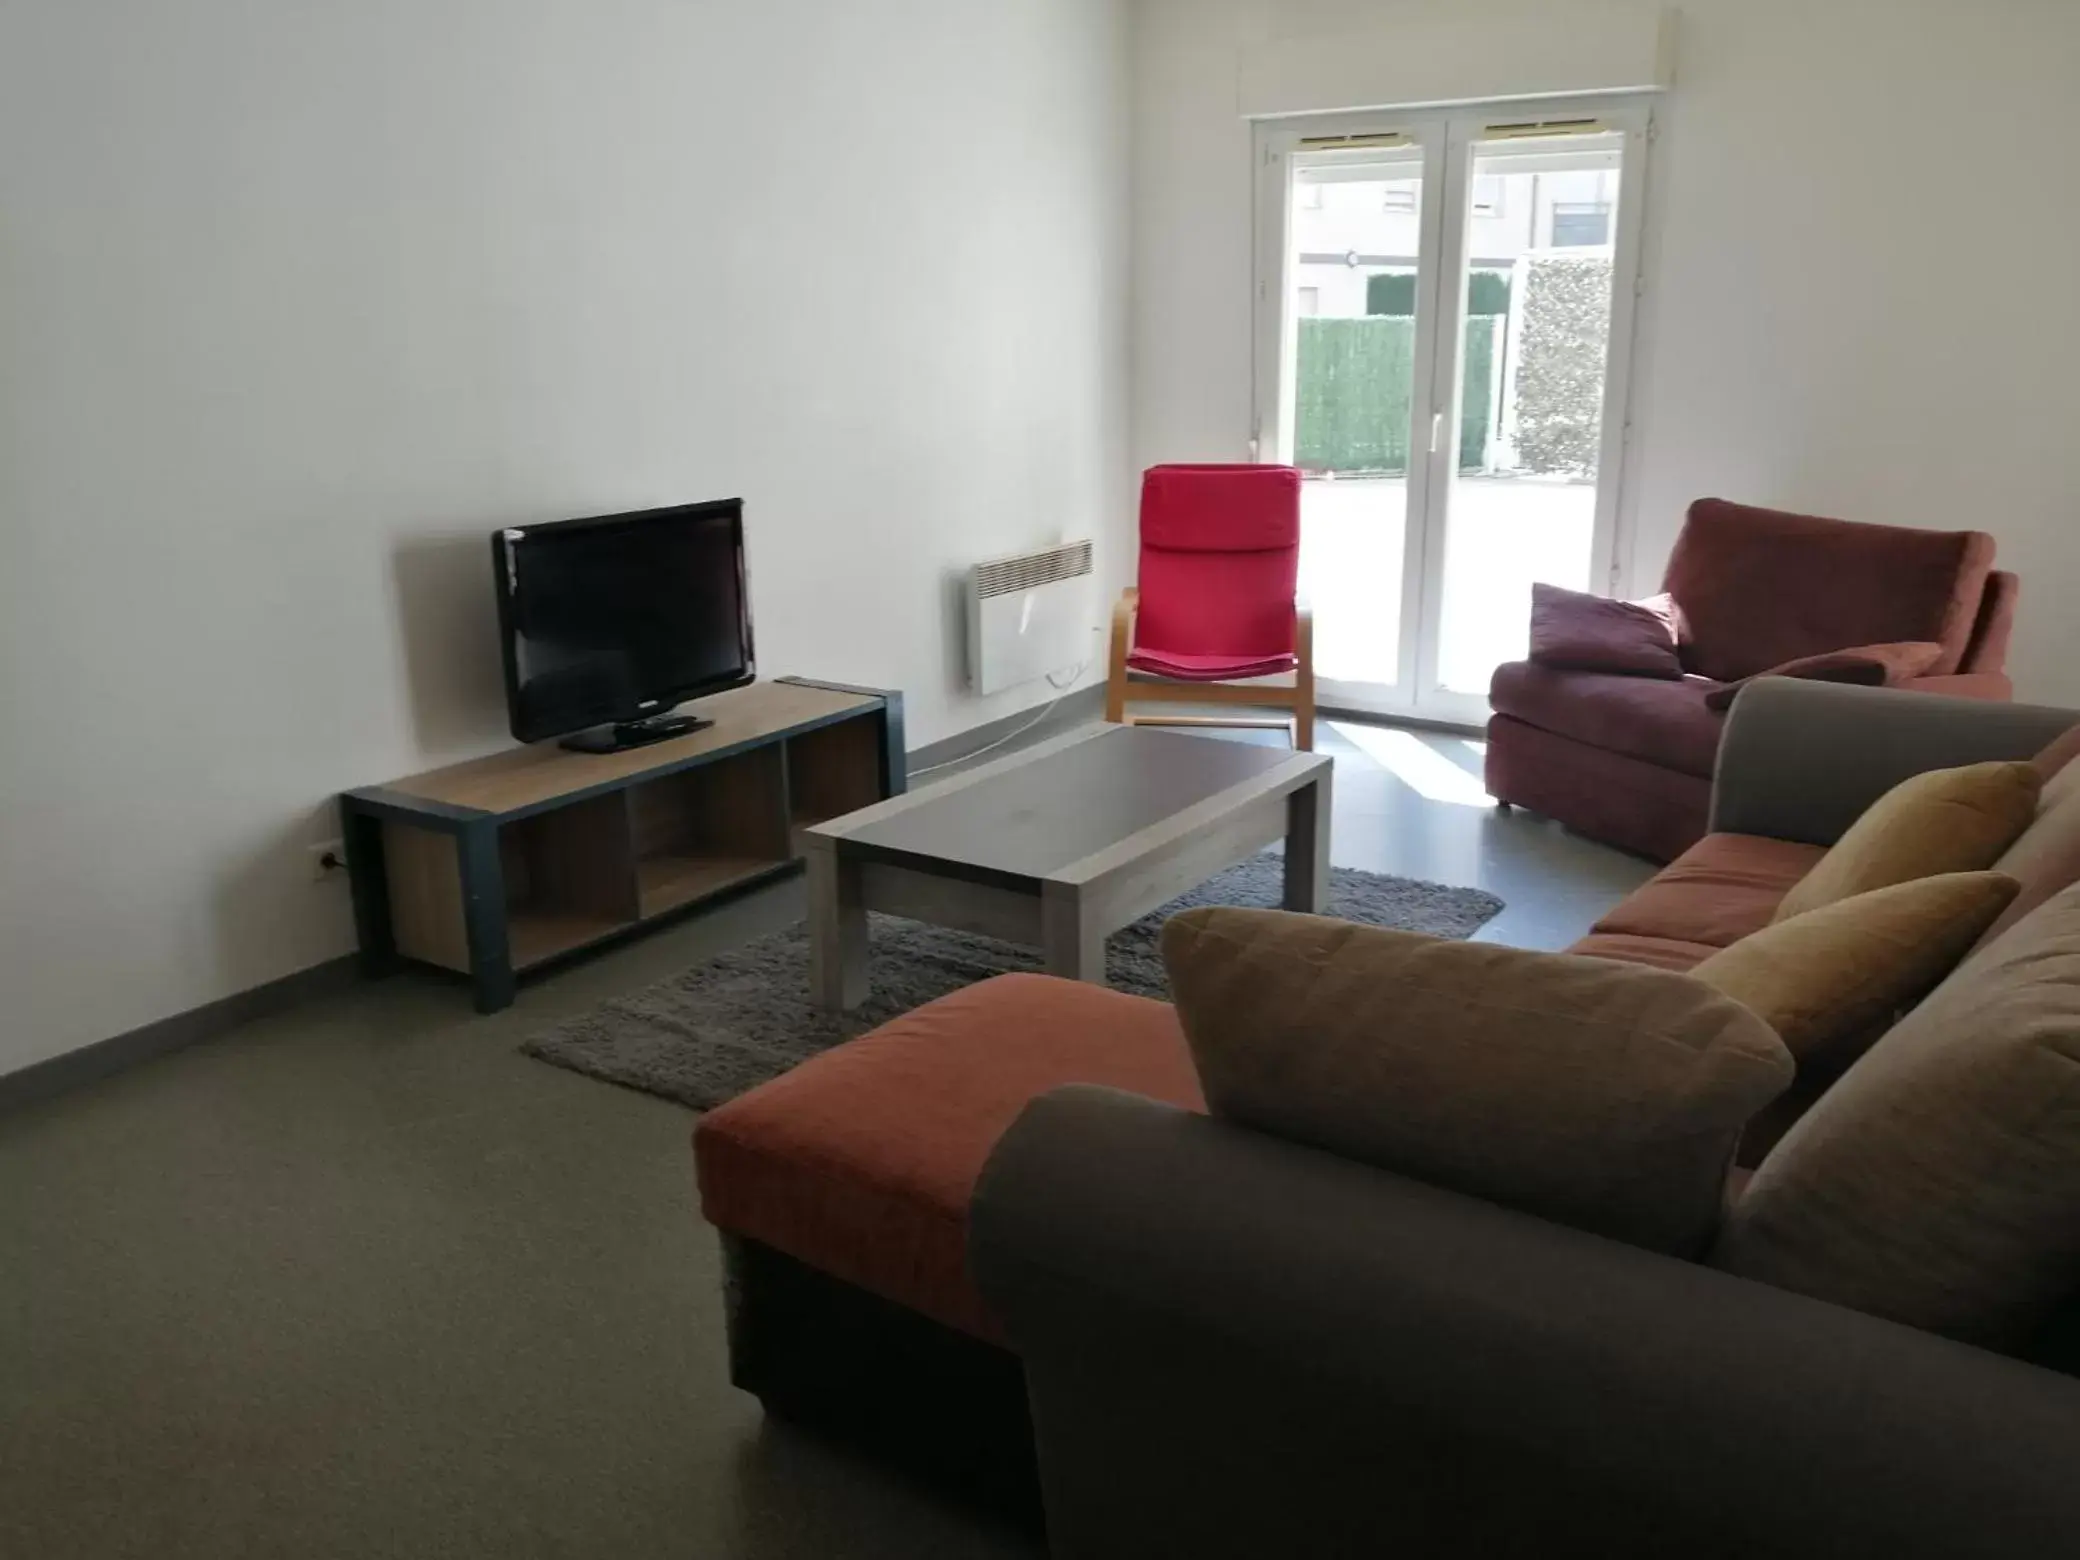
1030, 615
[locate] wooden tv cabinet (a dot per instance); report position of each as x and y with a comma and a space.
504, 864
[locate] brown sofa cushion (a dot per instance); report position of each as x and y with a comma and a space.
1665, 723
1824, 979
2057, 758
1574, 630
1759, 587
2046, 859
1596, 1094
1945, 820
1717, 892
861, 1161
1938, 1183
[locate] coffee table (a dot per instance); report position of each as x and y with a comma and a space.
1062, 844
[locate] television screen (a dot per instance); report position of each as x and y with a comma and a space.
618, 619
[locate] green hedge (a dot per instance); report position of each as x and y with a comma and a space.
1351, 407
1393, 293
1488, 293
1560, 364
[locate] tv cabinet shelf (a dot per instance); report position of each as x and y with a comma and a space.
665, 883
508, 863
538, 937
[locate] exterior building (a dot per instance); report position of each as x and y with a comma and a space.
1347, 231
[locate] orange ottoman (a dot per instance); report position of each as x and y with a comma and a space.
841, 1190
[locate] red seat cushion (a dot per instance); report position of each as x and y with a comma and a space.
1649, 718
1208, 668
1714, 894
1662, 953
861, 1161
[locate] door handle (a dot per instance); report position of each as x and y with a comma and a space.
1436, 432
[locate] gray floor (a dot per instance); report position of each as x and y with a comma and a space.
360, 1280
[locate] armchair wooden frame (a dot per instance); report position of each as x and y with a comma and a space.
1124, 688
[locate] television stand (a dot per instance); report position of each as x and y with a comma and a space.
627, 734
510, 863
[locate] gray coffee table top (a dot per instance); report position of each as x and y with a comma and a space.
1062, 844
1037, 813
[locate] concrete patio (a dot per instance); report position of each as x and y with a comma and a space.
1505, 532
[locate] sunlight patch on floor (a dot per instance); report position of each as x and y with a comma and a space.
1416, 765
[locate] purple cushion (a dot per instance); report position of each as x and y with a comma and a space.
1576, 632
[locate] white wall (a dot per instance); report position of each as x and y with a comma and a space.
301, 299
1804, 341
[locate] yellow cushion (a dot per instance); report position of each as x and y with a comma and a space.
1947, 820
1604, 1095
1824, 979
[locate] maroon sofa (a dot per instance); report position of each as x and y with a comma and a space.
1628, 760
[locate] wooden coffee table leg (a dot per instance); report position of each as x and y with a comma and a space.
837, 930
1072, 935
1307, 848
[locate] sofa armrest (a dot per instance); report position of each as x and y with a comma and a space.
1802, 760
1235, 1346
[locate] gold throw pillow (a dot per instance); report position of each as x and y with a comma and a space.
1947, 820
1603, 1095
1824, 980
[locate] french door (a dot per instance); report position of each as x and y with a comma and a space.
1444, 321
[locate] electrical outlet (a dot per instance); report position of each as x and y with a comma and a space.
328, 861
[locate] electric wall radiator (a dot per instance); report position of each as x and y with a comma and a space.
1030, 615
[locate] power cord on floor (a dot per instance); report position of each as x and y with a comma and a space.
1062, 691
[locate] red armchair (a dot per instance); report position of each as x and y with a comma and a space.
1628, 760
1217, 603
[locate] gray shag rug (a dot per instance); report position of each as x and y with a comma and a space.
741, 1019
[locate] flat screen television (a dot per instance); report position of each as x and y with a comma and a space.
610, 623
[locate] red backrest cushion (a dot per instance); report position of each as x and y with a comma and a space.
1759, 587
1220, 508
1220, 559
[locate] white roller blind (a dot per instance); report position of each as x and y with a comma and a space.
1420, 53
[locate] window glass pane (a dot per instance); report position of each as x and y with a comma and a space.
1575, 226
1348, 387
1522, 504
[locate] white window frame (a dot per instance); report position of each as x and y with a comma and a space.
1448, 139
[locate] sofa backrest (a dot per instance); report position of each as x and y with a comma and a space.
1759, 587
2046, 860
